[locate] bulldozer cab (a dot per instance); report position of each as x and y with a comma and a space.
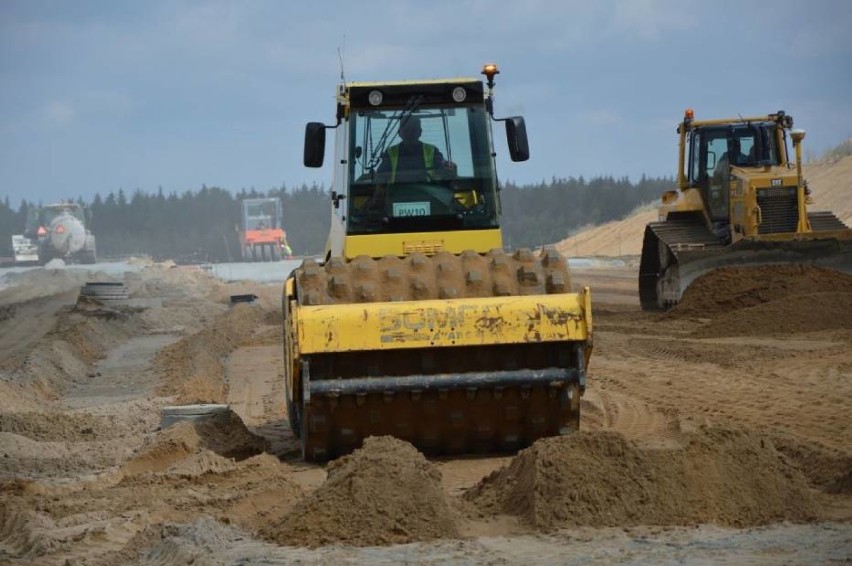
713, 150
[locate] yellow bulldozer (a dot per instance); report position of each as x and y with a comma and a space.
417, 323
741, 201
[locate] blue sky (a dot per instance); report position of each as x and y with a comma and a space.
101, 95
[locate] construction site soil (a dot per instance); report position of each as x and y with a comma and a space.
720, 431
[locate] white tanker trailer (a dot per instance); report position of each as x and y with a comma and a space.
61, 231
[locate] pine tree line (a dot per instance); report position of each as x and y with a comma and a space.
203, 225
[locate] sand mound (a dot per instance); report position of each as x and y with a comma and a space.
200, 463
768, 300
384, 493
64, 356
98, 522
825, 468
843, 484
192, 368
24, 397
613, 239
26, 534
227, 437
807, 312
600, 479
55, 426
266, 491
732, 288
35, 283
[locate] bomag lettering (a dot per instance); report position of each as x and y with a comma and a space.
393, 321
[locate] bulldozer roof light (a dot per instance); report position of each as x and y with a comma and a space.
686, 125
459, 94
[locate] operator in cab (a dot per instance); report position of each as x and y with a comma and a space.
411, 160
734, 156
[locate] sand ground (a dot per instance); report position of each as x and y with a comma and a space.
718, 433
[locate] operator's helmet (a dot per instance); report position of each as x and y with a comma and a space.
410, 125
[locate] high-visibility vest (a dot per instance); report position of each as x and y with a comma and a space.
428, 159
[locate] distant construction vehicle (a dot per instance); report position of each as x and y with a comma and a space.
741, 201
24, 250
418, 324
58, 231
262, 236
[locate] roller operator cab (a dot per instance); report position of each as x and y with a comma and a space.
417, 323
441, 198
741, 200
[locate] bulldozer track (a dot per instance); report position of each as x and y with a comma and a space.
413, 394
825, 221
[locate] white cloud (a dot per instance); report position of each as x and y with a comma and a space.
648, 20
58, 113
106, 102
87, 106
601, 117
830, 37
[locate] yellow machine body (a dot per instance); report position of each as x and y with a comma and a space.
441, 323
417, 323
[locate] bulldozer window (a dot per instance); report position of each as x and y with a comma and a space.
714, 150
708, 168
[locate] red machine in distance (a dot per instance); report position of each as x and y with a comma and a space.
262, 237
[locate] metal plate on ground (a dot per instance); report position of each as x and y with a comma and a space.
104, 290
176, 413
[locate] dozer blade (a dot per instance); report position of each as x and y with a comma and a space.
474, 374
677, 252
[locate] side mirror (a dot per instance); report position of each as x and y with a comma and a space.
314, 144
516, 137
